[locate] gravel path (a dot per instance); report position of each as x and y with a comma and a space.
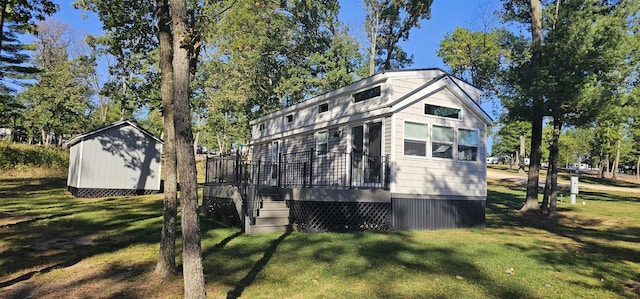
501, 175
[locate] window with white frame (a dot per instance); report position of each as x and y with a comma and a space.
322, 142
442, 111
442, 142
415, 139
467, 145
288, 119
366, 94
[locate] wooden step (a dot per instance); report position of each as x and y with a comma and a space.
270, 197
273, 212
273, 205
265, 229
264, 220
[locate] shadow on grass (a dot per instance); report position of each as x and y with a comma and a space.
54, 230
257, 267
607, 182
592, 248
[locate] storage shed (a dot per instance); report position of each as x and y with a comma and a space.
120, 159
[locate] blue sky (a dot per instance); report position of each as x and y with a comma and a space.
423, 42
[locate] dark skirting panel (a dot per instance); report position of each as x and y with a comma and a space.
99, 192
221, 209
319, 216
416, 213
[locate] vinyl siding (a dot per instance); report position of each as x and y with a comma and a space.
436, 176
74, 162
120, 158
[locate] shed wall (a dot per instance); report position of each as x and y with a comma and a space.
121, 158
74, 163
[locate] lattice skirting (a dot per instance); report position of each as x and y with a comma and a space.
97, 192
221, 209
316, 216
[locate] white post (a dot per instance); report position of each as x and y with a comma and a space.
574, 189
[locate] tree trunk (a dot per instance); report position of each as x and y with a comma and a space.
547, 188
374, 43
553, 167
638, 168
521, 156
195, 143
616, 160
607, 173
194, 284
167, 255
531, 201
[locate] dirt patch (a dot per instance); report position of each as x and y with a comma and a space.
633, 286
8, 219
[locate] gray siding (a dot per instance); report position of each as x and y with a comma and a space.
387, 129
427, 175
74, 163
120, 158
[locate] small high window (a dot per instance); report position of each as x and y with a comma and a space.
442, 111
366, 94
324, 107
288, 118
261, 127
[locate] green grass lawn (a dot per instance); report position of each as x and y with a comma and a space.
53, 245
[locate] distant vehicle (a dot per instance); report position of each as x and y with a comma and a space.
201, 150
492, 160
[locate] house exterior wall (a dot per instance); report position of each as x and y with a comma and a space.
119, 158
438, 176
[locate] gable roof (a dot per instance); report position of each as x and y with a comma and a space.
79, 138
435, 74
445, 81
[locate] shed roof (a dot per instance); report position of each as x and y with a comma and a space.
79, 138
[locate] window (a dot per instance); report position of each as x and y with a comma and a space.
415, 139
442, 111
324, 107
366, 94
467, 145
289, 118
442, 142
322, 139
261, 127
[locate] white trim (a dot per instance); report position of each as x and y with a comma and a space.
79, 166
392, 154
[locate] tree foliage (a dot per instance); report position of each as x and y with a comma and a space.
388, 22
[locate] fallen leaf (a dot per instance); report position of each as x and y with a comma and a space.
510, 271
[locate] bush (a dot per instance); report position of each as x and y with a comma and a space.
23, 157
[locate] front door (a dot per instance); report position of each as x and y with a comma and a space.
275, 153
366, 158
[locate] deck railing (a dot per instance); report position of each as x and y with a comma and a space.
303, 169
